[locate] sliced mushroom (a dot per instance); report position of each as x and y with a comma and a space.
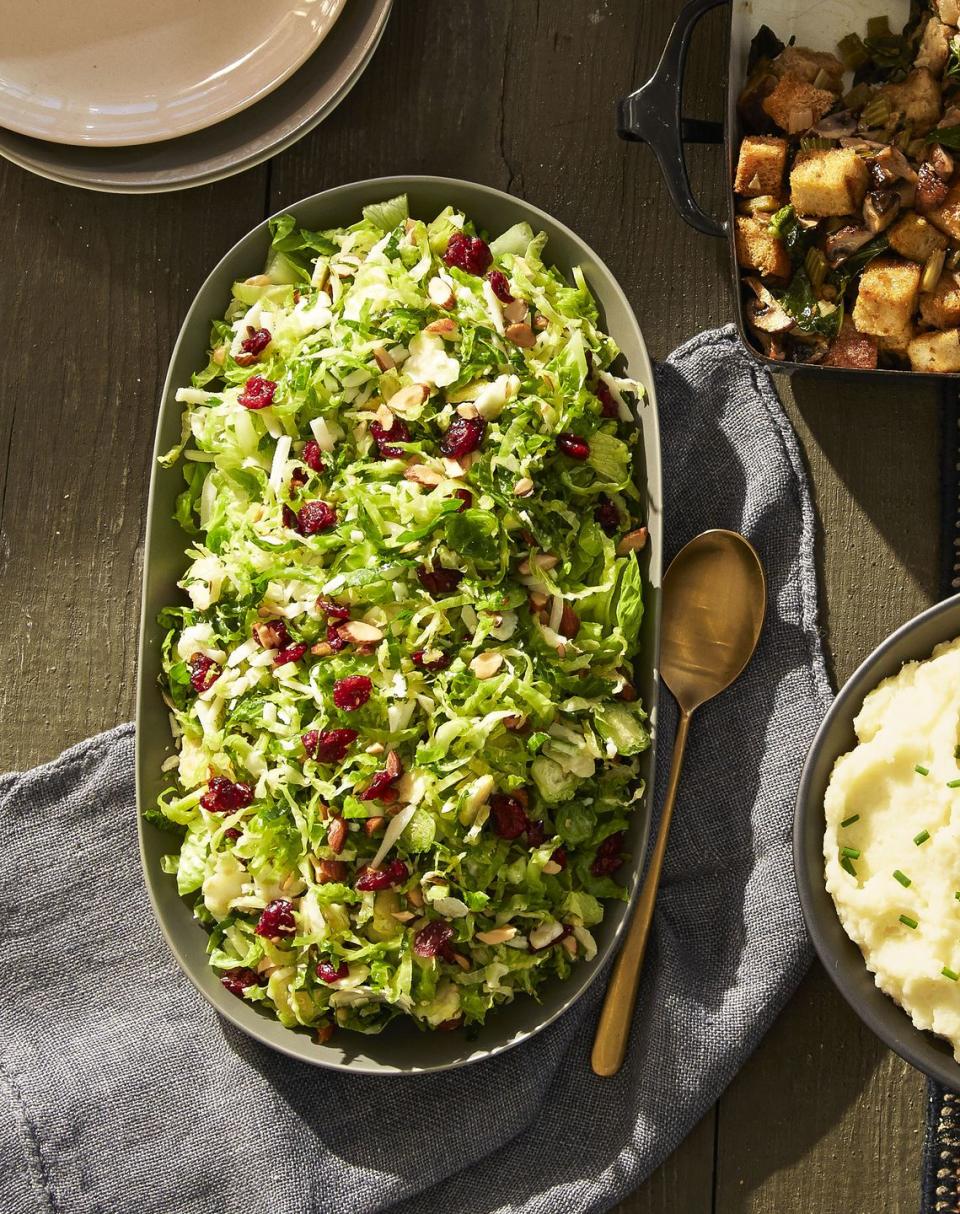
942, 162
845, 242
931, 189
907, 192
890, 165
880, 208
764, 312
836, 126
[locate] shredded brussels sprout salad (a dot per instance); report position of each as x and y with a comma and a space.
407, 737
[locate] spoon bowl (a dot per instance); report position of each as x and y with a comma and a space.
714, 602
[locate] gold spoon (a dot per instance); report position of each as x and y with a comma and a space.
714, 599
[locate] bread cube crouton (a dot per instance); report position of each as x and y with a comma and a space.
828, 182
759, 249
934, 46
805, 64
852, 349
898, 343
917, 99
948, 11
911, 236
794, 105
935, 351
887, 298
947, 215
760, 168
941, 308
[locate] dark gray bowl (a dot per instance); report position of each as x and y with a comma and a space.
401, 1048
841, 958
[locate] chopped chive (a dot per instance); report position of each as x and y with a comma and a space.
853, 818
852, 852
908, 922
956, 753
923, 836
921, 770
949, 973
901, 877
847, 864
953, 784
957, 895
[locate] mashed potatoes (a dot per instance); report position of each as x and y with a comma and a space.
892, 843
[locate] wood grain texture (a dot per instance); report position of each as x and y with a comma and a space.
520, 95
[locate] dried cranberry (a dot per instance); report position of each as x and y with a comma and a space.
466, 497
328, 745
237, 980
608, 516
385, 439
326, 972
574, 446
468, 253
292, 653
289, 518
434, 939
608, 858
334, 610
334, 639
276, 919
608, 406
451, 1025
536, 833
439, 580
560, 857
312, 455
381, 878
380, 782
204, 672
256, 341
509, 817
441, 662
272, 634
298, 478
314, 517
232, 835
352, 692
257, 392
464, 435
330, 870
500, 286
223, 796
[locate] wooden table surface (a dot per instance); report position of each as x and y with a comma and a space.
823, 1119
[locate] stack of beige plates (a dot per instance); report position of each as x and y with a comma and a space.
137, 98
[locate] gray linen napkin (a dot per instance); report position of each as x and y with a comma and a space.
126, 1093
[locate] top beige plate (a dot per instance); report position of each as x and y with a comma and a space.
121, 74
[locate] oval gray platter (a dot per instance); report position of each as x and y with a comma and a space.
841, 958
262, 130
401, 1048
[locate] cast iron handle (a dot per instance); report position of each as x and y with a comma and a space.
652, 115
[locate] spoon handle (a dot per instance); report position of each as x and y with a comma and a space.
613, 1027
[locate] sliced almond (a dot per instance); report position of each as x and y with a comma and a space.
375, 748
336, 835
521, 335
468, 411
537, 601
542, 560
454, 469
323, 1034
485, 665
259, 280
409, 398
219, 355
627, 693
440, 293
403, 916
359, 632
515, 312
385, 418
523, 487
461, 961
414, 897
393, 766
516, 724
568, 942
551, 868
420, 474
633, 541
445, 327
322, 649
372, 825
569, 622
540, 322
497, 935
